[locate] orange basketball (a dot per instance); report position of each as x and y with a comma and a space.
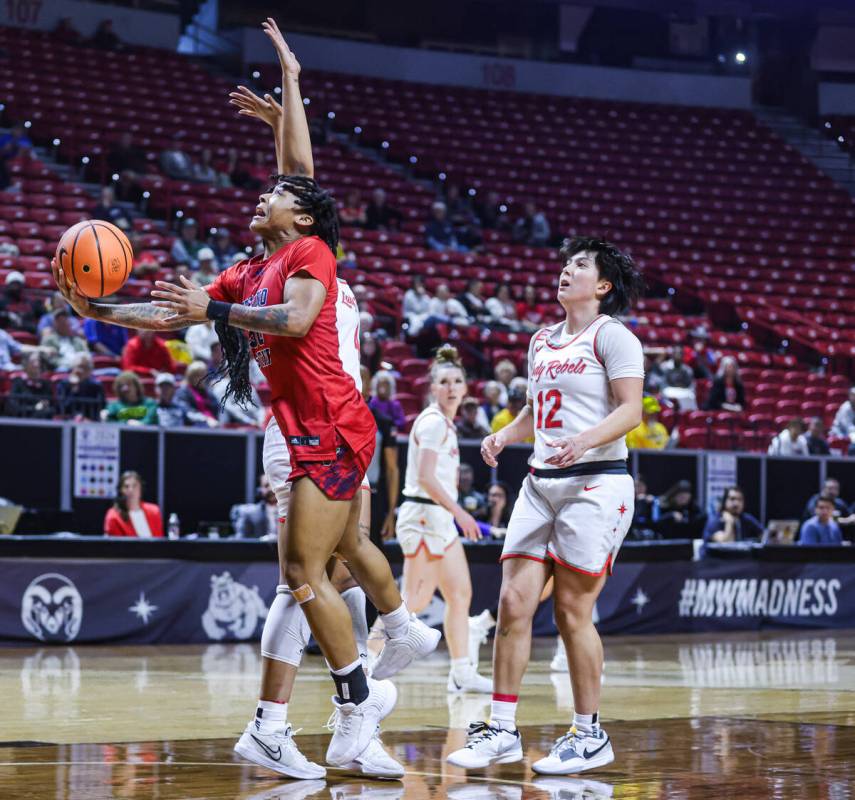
96, 256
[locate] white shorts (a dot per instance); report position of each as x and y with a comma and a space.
276, 460
422, 525
577, 522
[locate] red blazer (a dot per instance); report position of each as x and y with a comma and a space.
114, 525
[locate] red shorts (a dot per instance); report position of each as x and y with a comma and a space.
340, 478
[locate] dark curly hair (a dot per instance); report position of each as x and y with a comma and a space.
614, 266
315, 201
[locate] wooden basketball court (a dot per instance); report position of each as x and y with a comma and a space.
741, 716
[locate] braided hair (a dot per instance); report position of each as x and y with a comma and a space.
234, 365
315, 201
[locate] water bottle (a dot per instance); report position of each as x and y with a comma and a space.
173, 528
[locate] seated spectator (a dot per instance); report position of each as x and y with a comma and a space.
790, 442
380, 216
66, 33
416, 305
531, 313
676, 515
205, 172
468, 496
844, 420
131, 405
31, 395
185, 249
654, 377
23, 313
831, 489
105, 339
504, 372
467, 227
727, 392
105, 37
516, 403
207, 272
130, 515
202, 405
258, 520
447, 309
532, 228
200, 339
469, 425
129, 163
814, 438
679, 381
353, 210
700, 357
492, 400
62, 344
78, 395
370, 352
107, 208
473, 300
175, 163
500, 506
733, 523
642, 513
171, 413
225, 251
821, 529
58, 303
382, 391
502, 309
439, 232
146, 353
12, 145
650, 434
491, 211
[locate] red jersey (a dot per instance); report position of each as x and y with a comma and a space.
315, 402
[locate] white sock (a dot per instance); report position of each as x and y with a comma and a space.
461, 667
270, 716
355, 600
397, 622
587, 723
503, 714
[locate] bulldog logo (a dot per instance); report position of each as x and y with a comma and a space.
52, 608
233, 609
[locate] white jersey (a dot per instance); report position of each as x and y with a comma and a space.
347, 322
432, 430
568, 383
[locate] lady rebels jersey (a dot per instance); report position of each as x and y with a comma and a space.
568, 383
432, 430
314, 398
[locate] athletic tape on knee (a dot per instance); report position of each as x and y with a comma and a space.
303, 594
286, 631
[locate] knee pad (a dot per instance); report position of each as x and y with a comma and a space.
286, 631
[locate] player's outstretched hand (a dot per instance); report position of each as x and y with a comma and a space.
290, 65
569, 451
188, 303
468, 525
491, 446
78, 301
249, 104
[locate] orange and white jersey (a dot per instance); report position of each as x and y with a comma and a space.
347, 322
432, 430
568, 383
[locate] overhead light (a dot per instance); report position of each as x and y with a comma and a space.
740, 58
256, 74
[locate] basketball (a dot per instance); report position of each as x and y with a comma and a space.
96, 256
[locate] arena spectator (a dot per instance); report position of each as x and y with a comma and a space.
468, 496
504, 372
532, 227
727, 392
108, 209
62, 344
844, 420
379, 215
439, 232
131, 405
491, 211
502, 309
13, 144
676, 515
732, 523
679, 381
204, 170
225, 251
175, 163
642, 513
9, 347
516, 402
499, 505
353, 211
257, 520
185, 249
821, 529
698, 355
129, 163
370, 352
492, 400
467, 227
31, 394
654, 377
473, 300
171, 413
105, 339
202, 406
814, 438
831, 489
416, 306
469, 426
146, 353
530, 312
66, 33
23, 312
650, 434
447, 309
105, 38
207, 272
58, 303
130, 516
200, 339
78, 395
382, 391
789, 442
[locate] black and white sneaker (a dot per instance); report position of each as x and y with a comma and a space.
277, 751
576, 752
487, 745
